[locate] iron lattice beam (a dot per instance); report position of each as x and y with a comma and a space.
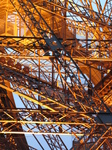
59, 96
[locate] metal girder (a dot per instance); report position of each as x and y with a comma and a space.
25, 91
95, 141
74, 9
82, 16
53, 139
54, 45
77, 106
17, 46
10, 141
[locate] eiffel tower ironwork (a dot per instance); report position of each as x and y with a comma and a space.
55, 74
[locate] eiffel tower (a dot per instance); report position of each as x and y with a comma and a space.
55, 74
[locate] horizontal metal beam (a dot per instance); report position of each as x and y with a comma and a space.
38, 133
53, 57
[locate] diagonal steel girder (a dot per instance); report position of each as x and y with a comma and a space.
15, 89
54, 47
10, 140
94, 138
75, 9
33, 86
11, 127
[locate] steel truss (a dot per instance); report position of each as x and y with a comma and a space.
63, 82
